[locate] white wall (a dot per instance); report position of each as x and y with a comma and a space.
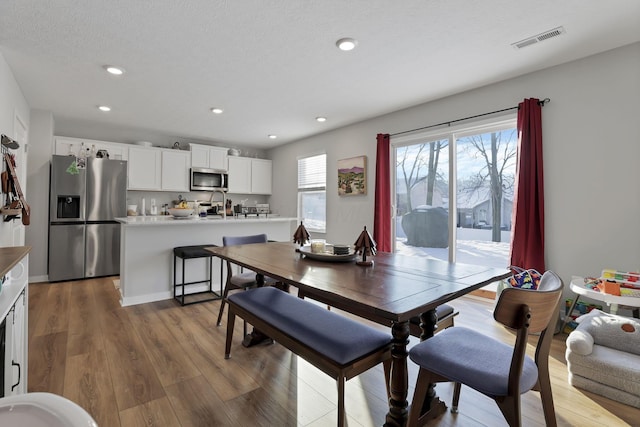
41, 141
12, 104
591, 137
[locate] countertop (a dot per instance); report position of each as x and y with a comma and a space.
13, 287
10, 256
169, 220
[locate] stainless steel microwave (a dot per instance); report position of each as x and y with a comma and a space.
203, 179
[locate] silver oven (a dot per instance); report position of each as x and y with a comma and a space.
203, 179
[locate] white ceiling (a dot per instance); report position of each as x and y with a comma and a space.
273, 65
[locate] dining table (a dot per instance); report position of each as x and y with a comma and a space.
390, 291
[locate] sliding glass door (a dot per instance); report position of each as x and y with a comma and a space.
454, 193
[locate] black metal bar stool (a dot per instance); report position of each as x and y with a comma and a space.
193, 252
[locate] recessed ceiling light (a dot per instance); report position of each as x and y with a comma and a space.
346, 44
217, 110
116, 71
273, 136
321, 119
104, 108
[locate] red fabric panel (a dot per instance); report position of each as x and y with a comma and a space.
382, 213
527, 244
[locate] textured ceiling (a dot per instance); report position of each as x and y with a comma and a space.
273, 65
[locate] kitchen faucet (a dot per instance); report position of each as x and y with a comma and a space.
224, 201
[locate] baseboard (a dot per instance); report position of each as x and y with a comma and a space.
482, 293
142, 299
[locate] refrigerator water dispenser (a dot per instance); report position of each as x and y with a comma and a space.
68, 207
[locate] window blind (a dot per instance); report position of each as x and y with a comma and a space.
312, 173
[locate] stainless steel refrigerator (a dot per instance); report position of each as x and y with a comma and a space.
84, 199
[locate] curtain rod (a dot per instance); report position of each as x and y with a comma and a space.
541, 103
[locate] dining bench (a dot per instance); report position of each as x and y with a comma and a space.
339, 346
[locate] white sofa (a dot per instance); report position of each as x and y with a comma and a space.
603, 356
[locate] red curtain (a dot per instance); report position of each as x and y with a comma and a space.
527, 242
382, 213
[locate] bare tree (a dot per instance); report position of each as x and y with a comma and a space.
418, 165
498, 155
434, 157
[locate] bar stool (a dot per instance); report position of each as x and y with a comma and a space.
193, 252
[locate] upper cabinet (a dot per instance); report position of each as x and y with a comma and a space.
175, 170
249, 176
156, 169
144, 168
261, 176
206, 156
239, 175
65, 146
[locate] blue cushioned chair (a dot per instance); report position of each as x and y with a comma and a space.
495, 369
241, 280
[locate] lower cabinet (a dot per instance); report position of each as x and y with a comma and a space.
13, 331
15, 366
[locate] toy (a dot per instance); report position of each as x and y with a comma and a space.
609, 330
603, 355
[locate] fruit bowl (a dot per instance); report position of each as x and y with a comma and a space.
181, 212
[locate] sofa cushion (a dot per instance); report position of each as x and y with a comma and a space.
600, 328
613, 368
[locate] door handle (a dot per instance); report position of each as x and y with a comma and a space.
19, 374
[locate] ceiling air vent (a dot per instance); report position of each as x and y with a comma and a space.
539, 38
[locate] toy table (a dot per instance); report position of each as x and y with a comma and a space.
578, 287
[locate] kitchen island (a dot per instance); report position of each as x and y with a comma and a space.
147, 242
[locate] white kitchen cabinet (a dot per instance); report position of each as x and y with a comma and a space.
206, 156
175, 170
261, 176
65, 146
15, 349
249, 176
239, 175
144, 169
14, 301
218, 158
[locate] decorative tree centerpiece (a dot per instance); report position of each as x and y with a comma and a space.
301, 236
366, 246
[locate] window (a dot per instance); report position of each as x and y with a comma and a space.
312, 192
454, 193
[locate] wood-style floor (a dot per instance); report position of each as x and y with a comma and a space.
161, 364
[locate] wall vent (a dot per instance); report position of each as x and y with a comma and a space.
539, 38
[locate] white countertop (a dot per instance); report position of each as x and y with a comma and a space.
170, 220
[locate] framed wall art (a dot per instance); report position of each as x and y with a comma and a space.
352, 176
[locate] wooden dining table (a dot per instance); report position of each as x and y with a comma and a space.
390, 292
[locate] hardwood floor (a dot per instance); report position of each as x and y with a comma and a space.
161, 364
